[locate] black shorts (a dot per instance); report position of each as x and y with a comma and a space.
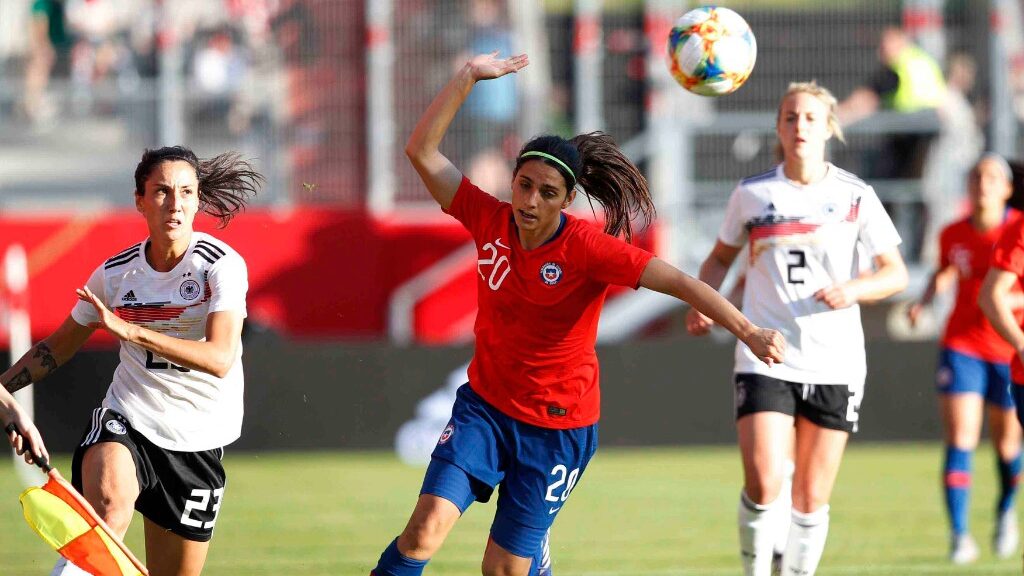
180, 491
833, 406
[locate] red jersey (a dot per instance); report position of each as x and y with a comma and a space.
969, 250
536, 324
1009, 255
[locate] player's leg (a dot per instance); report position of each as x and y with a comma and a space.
545, 469
168, 554
104, 470
764, 410
819, 452
1006, 438
465, 466
784, 507
960, 382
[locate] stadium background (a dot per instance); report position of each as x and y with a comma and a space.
361, 292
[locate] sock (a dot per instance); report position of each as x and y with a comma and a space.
542, 560
65, 568
757, 536
1009, 475
957, 480
807, 534
392, 563
783, 505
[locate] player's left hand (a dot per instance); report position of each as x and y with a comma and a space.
108, 320
836, 296
768, 345
22, 434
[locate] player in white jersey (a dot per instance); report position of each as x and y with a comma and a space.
802, 222
176, 302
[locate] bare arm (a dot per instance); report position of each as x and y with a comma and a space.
440, 176
768, 345
860, 104
889, 277
939, 283
712, 272
215, 355
994, 300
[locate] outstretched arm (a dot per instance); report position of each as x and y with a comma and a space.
440, 176
768, 345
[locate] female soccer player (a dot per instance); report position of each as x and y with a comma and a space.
802, 221
974, 364
526, 421
176, 301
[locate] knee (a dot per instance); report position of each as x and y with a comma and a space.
498, 567
809, 498
763, 489
115, 510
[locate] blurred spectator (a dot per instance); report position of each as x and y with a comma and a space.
952, 154
909, 80
48, 39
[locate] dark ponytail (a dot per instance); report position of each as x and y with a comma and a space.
226, 182
603, 173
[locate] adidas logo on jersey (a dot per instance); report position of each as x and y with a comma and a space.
129, 297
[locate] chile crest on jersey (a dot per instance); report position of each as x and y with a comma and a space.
551, 273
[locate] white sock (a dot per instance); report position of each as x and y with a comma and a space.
65, 568
807, 536
783, 506
757, 534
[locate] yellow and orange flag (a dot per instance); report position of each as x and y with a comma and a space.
68, 523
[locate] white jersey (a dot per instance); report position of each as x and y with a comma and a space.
802, 239
174, 407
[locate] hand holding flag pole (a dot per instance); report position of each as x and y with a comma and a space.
67, 522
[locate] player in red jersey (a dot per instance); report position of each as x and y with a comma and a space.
974, 365
527, 419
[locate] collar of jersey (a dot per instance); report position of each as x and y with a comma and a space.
150, 271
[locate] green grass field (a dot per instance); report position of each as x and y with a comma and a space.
636, 512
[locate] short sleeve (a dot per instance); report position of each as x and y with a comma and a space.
733, 230
877, 232
84, 313
472, 206
229, 282
885, 81
611, 260
1009, 250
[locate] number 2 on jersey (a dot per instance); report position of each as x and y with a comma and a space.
797, 260
153, 364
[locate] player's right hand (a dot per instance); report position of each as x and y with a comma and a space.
698, 324
23, 435
768, 345
489, 66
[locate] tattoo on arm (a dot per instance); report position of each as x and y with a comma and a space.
20, 380
46, 359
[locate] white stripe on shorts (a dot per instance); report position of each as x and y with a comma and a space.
94, 432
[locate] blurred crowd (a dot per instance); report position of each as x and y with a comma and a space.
97, 45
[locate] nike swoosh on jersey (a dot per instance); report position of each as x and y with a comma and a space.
554, 509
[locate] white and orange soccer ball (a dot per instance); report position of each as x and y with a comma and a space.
711, 51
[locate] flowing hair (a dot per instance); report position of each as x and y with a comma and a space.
603, 173
226, 181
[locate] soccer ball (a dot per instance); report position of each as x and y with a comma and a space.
711, 51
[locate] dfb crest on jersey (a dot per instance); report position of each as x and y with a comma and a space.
189, 290
116, 427
551, 273
448, 431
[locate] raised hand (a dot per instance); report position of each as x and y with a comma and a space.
489, 66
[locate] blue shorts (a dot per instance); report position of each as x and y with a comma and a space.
962, 374
1018, 396
536, 469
